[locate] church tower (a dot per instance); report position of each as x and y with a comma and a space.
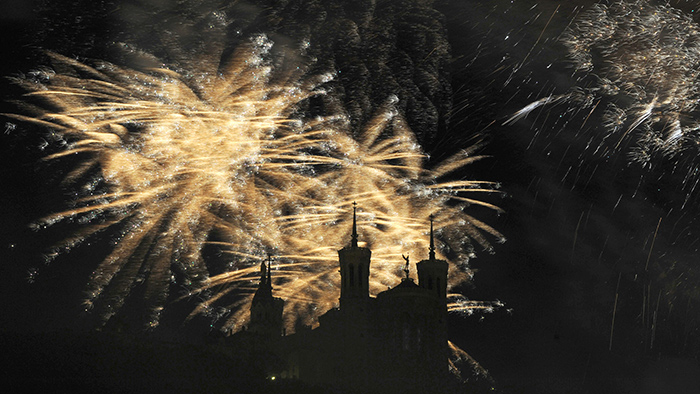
432, 277
266, 310
354, 269
432, 273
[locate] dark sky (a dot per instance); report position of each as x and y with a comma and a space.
583, 229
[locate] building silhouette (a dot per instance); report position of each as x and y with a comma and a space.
394, 342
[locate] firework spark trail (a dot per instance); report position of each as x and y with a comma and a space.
523, 112
459, 356
170, 157
644, 61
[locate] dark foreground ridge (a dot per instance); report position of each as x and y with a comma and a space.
104, 362
99, 362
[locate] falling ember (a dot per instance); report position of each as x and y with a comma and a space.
168, 158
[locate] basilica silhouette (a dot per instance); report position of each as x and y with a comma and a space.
394, 342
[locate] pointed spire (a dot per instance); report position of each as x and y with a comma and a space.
431, 254
266, 273
263, 274
269, 270
353, 242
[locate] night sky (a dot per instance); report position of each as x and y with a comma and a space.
588, 229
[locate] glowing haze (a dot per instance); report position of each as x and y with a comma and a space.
171, 160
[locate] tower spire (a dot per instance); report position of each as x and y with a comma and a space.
354, 269
265, 309
263, 273
431, 254
269, 270
353, 242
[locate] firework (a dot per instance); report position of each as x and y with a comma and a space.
170, 157
641, 62
459, 357
178, 155
382, 170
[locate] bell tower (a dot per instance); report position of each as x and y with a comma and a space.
354, 268
432, 273
432, 276
266, 310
